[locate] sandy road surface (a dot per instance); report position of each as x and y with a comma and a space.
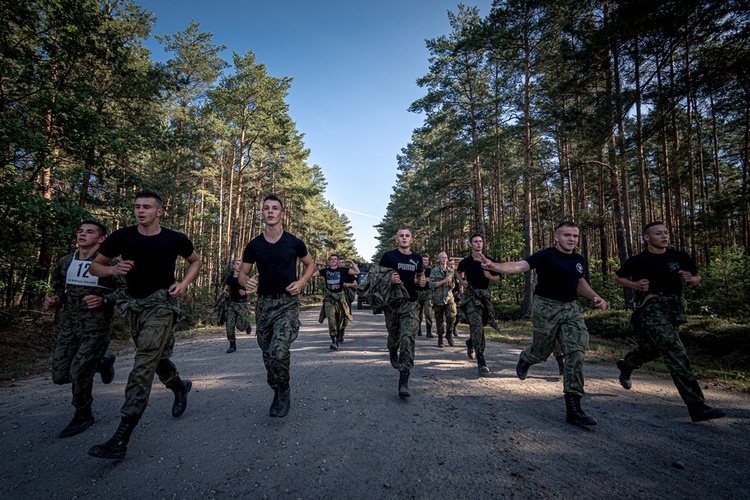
350, 436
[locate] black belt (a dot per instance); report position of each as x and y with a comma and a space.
275, 296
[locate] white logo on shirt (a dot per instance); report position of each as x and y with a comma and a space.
411, 266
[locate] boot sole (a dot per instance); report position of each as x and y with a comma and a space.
98, 452
68, 432
581, 424
706, 418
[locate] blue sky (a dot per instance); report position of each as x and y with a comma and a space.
354, 66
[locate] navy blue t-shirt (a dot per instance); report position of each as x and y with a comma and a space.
277, 262
660, 269
154, 257
335, 278
407, 267
474, 273
558, 273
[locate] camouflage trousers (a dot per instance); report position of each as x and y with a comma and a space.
333, 307
350, 296
82, 340
454, 313
277, 326
656, 325
425, 308
477, 316
562, 322
152, 322
445, 316
238, 316
402, 323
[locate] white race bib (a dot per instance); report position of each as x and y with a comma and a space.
78, 274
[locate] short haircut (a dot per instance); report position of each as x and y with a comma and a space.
442, 253
150, 193
425, 255
273, 197
101, 227
567, 223
475, 235
652, 224
332, 256
405, 228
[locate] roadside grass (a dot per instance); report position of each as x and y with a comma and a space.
712, 366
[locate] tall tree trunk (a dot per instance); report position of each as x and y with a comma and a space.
666, 176
676, 169
646, 214
621, 160
689, 152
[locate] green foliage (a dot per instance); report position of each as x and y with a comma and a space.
87, 119
506, 311
725, 288
610, 324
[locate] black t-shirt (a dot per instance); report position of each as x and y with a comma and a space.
335, 278
474, 273
154, 257
234, 289
349, 278
277, 262
407, 267
558, 273
427, 272
660, 269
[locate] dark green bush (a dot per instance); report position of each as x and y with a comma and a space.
506, 311
610, 324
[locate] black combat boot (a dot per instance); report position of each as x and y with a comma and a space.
82, 420
625, 374
574, 414
117, 445
700, 412
440, 339
419, 332
470, 349
522, 368
455, 334
334, 344
249, 330
429, 332
403, 385
273, 411
394, 358
482, 365
449, 338
285, 401
340, 337
232, 347
560, 363
106, 368
180, 389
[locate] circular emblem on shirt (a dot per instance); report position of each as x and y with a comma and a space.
579, 268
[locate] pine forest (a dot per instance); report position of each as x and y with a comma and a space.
609, 113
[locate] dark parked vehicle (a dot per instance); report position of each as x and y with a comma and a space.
361, 301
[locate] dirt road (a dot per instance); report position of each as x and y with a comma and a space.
350, 436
